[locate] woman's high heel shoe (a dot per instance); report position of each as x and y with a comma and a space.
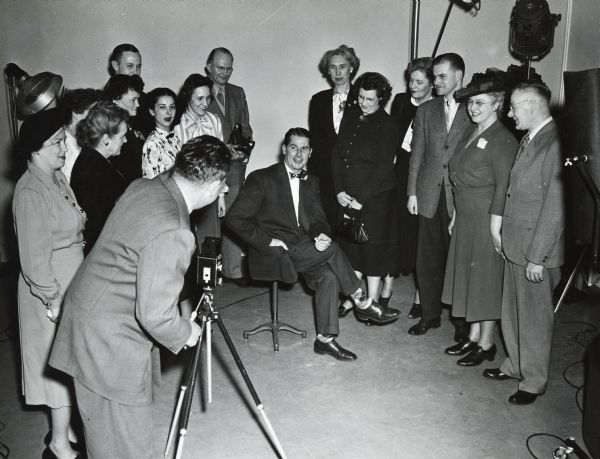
461, 348
477, 356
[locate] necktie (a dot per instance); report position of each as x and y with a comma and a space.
523, 145
302, 175
448, 115
220, 97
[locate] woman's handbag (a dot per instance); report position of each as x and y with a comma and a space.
352, 229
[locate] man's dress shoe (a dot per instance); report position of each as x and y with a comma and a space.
376, 313
522, 397
415, 311
333, 349
423, 325
463, 347
495, 374
477, 356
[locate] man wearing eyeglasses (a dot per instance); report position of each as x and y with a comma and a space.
230, 105
533, 244
279, 214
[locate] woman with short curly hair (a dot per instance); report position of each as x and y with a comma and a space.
96, 181
365, 186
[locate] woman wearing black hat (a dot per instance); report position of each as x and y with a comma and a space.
49, 226
479, 172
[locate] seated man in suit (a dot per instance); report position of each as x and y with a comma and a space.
123, 301
279, 210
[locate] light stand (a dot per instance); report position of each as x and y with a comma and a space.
206, 314
591, 250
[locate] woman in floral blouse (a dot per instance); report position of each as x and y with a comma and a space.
162, 145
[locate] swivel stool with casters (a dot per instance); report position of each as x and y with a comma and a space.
274, 266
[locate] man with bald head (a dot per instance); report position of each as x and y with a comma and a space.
229, 104
533, 244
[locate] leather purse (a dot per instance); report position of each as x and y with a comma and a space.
352, 229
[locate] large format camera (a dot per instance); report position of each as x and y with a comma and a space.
209, 263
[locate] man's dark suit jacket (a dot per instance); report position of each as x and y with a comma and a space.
97, 185
431, 149
123, 300
264, 210
236, 111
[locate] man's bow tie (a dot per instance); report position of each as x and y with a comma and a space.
302, 175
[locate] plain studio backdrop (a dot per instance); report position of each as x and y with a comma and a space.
277, 45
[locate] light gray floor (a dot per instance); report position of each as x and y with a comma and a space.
402, 398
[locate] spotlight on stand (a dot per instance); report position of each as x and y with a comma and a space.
36, 92
532, 29
29, 94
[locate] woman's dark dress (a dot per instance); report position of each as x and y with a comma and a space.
474, 271
97, 185
403, 111
363, 167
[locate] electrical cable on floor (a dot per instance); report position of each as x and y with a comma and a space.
561, 451
244, 299
540, 434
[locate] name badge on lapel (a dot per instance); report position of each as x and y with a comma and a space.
481, 143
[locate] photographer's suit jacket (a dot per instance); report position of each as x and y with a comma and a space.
534, 214
431, 149
124, 297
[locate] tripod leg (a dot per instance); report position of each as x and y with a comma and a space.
175, 421
209, 360
187, 379
253, 393
183, 410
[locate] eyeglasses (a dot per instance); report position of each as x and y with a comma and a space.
512, 106
477, 103
223, 69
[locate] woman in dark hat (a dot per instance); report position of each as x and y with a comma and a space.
49, 226
479, 172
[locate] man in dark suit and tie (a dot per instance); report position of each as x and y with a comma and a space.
123, 301
437, 128
279, 210
229, 104
533, 244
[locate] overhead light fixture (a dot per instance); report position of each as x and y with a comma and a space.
532, 29
468, 5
